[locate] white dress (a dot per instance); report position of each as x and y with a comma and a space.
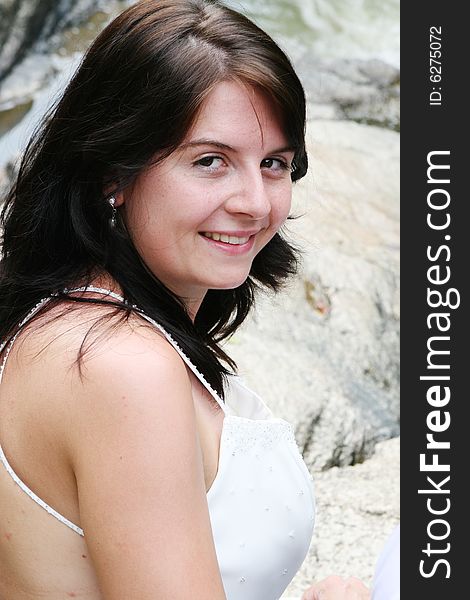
261, 503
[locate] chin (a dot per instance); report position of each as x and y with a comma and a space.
230, 284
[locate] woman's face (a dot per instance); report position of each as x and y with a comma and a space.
199, 218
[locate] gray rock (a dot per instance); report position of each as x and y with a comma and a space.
366, 91
25, 22
28, 80
7, 175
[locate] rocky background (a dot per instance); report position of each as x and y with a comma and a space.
325, 352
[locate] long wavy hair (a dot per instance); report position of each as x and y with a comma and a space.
135, 95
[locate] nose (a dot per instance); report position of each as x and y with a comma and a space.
250, 196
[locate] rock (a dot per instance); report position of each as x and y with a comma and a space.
8, 173
23, 108
4, 184
357, 509
325, 353
366, 91
25, 22
30, 78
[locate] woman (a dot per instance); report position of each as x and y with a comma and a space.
145, 216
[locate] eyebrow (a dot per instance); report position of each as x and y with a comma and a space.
222, 146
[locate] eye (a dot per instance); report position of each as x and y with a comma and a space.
275, 164
210, 163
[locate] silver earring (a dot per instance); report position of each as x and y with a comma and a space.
112, 220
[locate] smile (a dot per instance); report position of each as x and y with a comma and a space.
227, 239
229, 245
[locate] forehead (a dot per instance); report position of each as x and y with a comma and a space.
233, 112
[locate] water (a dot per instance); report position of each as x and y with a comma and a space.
356, 29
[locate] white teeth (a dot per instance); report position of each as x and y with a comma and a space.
228, 239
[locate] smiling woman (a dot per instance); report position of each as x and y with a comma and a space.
146, 214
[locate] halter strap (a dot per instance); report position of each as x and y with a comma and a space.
33, 496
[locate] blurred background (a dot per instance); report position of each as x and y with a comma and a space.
324, 354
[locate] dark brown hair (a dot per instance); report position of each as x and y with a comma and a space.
135, 95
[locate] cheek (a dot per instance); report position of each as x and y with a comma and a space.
280, 207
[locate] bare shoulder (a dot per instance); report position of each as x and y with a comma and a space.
96, 351
131, 362
78, 364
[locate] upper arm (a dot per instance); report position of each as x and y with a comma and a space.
140, 478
